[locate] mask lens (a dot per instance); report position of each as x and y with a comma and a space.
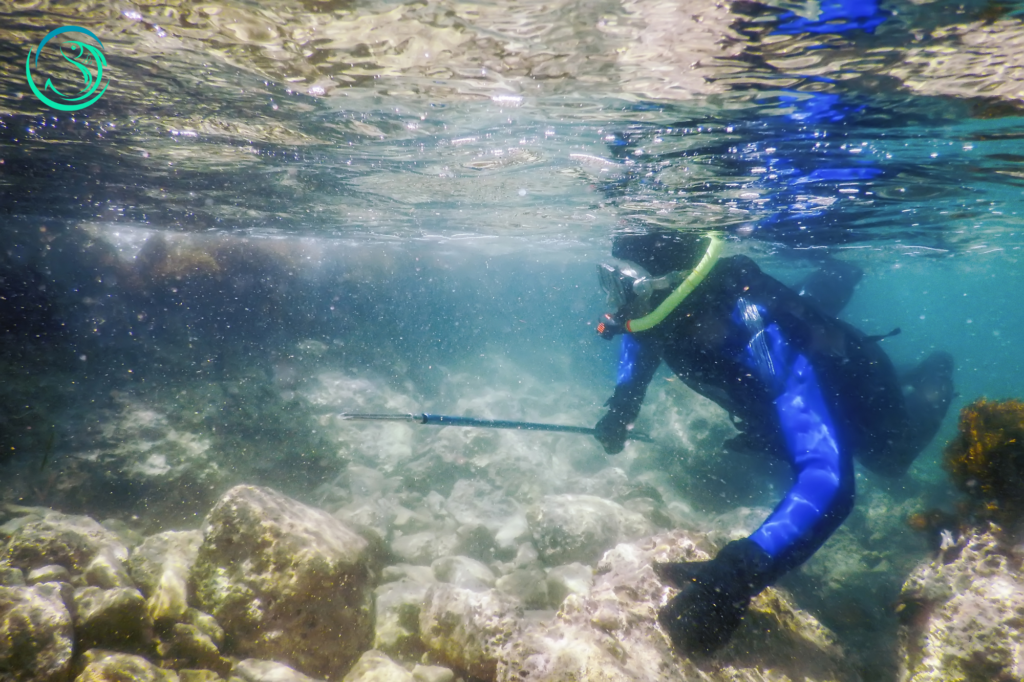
614, 284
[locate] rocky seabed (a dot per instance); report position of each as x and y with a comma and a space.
273, 590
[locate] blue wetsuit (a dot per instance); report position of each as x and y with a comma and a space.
812, 388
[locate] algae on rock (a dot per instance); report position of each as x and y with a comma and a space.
36, 637
286, 581
468, 629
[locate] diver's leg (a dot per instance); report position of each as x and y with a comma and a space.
831, 286
927, 392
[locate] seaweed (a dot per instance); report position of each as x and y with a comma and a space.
986, 460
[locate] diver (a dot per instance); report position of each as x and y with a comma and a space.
800, 383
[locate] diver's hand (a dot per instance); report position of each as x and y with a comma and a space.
609, 326
713, 595
610, 431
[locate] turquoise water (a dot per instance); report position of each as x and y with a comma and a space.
281, 211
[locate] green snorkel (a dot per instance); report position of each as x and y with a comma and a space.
608, 327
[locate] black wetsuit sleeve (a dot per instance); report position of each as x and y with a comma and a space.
638, 361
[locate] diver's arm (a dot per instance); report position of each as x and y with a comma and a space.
823, 493
714, 594
637, 364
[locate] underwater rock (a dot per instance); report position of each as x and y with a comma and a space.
411, 520
526, 556
397, 628
12, 577
375, 515
286, 581
36, 638
962, 614
160, 567
206, 624
613, 632
851, 583
463, 572
423, 548
432, 673
78, 543
186, 646
107, 571
129, 537
255, 670
735, 524
572, 578
191, 675
48, 574
528, 586
106, 666
420, 574
114, 619
570, 528
374, 666
468, 630
366, 483
474, 503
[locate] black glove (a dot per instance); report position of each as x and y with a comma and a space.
713, 595
610, 431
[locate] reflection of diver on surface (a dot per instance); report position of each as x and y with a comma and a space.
787, 166
808, 387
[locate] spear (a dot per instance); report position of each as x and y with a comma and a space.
447, 420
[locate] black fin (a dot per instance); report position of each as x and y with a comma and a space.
878, 337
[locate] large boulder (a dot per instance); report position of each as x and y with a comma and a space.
568, 528
611, 634
962, 614
36, 639
286, 582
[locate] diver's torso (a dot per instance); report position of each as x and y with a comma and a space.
704, 342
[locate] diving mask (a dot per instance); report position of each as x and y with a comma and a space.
626, 283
